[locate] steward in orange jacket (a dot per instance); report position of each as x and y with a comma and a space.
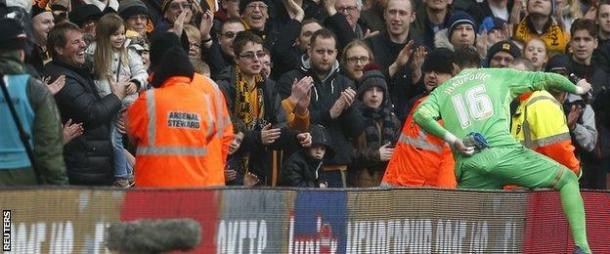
421, 159
173, 125
222, 126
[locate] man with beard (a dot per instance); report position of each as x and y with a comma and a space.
332, 95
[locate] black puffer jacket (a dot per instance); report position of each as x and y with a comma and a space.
301, 170
89, 158
324, 95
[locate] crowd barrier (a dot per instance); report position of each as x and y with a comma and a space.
278, 220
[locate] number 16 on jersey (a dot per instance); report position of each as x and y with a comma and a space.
473, 105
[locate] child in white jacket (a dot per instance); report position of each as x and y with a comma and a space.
113, 62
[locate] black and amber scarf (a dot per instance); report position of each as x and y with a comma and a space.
249, 101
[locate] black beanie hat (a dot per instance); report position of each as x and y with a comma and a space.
371, 79
460, 17
506, 46
129, 8
159, 43
13, 34
84, 13
174, 62
168, 58
439, 60
165, 41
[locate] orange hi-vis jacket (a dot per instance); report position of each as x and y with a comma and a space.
172, 126
218, 148
539, 123
420, 159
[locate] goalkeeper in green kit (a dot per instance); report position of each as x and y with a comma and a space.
474, 106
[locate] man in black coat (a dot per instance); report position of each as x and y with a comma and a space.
394, 53
88, 158
332, 96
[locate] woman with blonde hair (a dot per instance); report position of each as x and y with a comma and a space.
113, 62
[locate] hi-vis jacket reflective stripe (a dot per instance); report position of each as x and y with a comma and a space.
173, 127
420, 159
539, 123
218, 147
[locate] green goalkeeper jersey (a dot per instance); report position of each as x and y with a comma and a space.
478, 100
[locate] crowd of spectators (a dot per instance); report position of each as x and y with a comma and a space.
348, 72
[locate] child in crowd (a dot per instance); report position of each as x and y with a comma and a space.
235, 168
535, 51
114, 62
302, 169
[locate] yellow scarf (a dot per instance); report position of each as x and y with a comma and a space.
554, 37
249, 101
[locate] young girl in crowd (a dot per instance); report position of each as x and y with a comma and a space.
113, 62
535, 51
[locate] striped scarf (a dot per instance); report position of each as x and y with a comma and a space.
249, 101
374, 137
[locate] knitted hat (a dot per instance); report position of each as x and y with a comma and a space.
559, 63
128, 8
458, 18
168, 58
370, 79
160, 42
506, 46
84, 13
439, 60
13, 34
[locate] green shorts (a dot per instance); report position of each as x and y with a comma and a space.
494, 168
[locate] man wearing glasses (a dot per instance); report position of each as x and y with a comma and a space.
219, 54
332, 95
135, 14
252, 100
351, 10
255, 14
